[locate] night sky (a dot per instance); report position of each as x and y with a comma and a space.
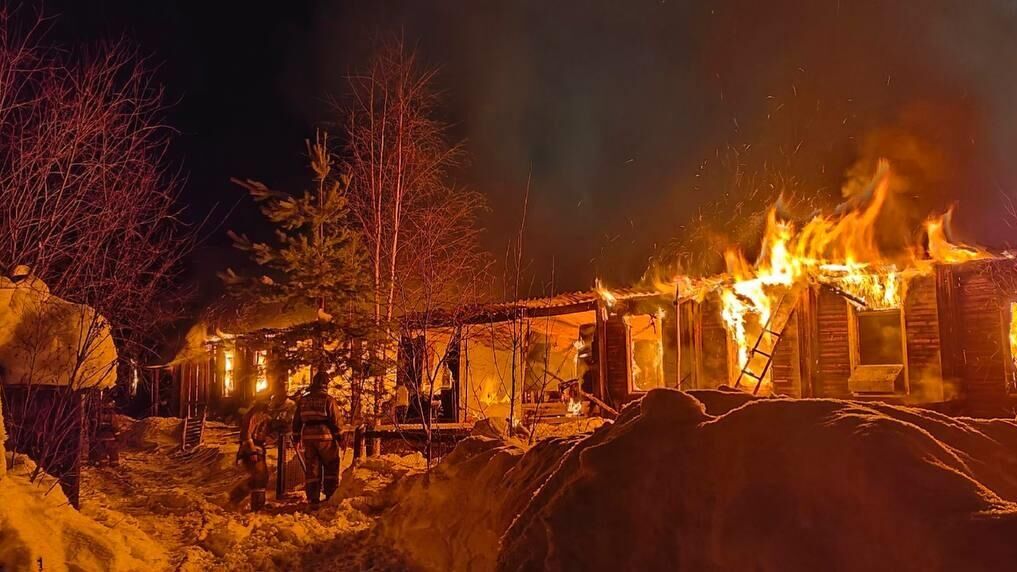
621, 111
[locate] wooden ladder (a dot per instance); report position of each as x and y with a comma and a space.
774, 327
194, 431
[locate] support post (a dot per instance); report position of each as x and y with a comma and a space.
280, 466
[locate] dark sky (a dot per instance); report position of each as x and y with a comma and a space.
622, 110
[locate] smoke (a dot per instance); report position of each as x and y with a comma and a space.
649, 125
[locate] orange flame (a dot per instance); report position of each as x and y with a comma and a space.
839, 251
941, 249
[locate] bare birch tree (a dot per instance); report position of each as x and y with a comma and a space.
410, 216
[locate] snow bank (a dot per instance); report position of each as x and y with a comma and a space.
39, 530
775, 484
151, 433
47, 340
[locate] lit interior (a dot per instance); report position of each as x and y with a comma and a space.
228, 385
261, 369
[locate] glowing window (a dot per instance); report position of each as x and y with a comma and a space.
877, 352
261, 371
1013, 346
227, 373
647, 352
880, 340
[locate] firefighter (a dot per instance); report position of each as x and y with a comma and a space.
316, 427
255, 428
106, 433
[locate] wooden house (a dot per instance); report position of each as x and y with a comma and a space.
525, 357
947, 347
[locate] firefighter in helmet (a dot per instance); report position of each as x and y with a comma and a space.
316, 426
255, 428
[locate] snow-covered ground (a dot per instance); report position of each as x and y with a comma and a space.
695, 481
181, 503
770, 484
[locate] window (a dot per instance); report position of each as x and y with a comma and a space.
1013, 347
880, 338
227, 374
876, 339
647, 352
261, 370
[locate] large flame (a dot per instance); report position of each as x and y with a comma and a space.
941, 249
840, 252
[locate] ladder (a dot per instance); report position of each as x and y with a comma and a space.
194, 431
774, 327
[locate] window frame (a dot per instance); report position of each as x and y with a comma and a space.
630, 342
854, 348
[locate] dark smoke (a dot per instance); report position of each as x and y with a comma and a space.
644, 123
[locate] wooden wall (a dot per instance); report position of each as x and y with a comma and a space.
922, 339
981, 300
714, 368
618, 359
833, 357
786, 365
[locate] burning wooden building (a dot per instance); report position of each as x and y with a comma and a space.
224, 363
947, 343
554, 356
824, 313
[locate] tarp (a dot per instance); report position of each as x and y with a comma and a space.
46, 340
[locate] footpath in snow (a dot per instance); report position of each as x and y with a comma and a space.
180, 503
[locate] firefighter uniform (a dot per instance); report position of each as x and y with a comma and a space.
253, 435
316, 425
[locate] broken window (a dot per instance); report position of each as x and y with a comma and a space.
647, 352
880, 339
261, 370
877, 352
227, 375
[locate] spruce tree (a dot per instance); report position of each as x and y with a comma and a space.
315, 261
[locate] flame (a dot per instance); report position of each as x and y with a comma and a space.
1013, 331
261, 371
227, 375
605, 294
574, 408
941, 249
839, 251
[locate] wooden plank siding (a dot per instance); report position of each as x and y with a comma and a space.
833, 366
786, 361
618, 360
983, 353
714, 346
922, 340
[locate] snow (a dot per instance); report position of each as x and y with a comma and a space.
770, 484
42, 335
182, 501
705, 480
41, 531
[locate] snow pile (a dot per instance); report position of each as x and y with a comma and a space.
151, 433
39, 530
776, 484
452, 517
47, 340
